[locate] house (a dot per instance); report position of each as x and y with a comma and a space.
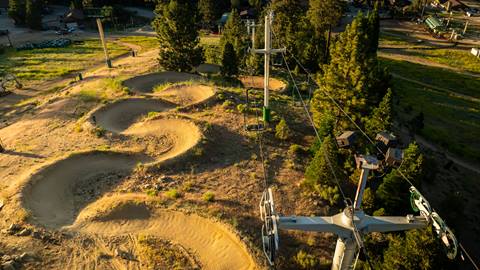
386, 139
346, 139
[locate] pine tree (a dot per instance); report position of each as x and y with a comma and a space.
324, 14
418, 250
325, 128
211, 11
318, 171
16, 11
235, 33
373, 30
382, 117
352, 78
394, 190
177, 28
33, 14
229, 61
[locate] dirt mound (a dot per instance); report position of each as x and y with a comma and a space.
50, 194
187, 94
257, 82
146, 83
214, 245
118, 116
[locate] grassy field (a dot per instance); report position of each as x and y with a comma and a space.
50, 63
456, 58
452, 111
147, 43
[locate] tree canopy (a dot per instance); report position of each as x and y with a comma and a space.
177, 28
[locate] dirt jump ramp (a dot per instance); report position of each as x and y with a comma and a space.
146, 83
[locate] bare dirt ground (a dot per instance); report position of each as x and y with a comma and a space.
63, 161
257, 82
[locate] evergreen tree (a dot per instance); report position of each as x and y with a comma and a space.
373, 30
382, 117
229, 61
177, 28
16, 11
352, 78
294, 31
325, 128
282, 131
235, 33
318, 170
418, 250
211, 11
33, 14
324, 14
394, 190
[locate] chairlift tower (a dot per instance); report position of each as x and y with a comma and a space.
267, 51
352, 223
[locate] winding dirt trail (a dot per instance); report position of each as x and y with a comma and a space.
56, 198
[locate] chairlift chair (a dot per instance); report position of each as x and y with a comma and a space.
255, 124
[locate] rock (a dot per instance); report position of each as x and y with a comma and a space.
24, 232
27, 257
123, 254
14, 227
36, 234
8, 265
6, 258
165, 179
104, 256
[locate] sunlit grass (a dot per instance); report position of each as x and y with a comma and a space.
147, 43
50, 63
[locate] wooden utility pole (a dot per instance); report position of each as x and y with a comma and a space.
104, 43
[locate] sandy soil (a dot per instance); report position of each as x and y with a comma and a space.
146, 83
257, 82
215, 245
187, 94
71, 193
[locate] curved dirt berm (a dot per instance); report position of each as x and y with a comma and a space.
146, 83
215, 245
49, 194
118, 116
257, 83
187, 94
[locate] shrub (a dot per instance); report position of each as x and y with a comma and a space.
305, 260
282, 131
208, 196
173, 193
99, 132
295, 150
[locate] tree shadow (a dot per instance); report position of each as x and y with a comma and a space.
21, 154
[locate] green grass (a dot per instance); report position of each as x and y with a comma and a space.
456, 58
45, 64
210, 40
452, 118
102, 90
147, 43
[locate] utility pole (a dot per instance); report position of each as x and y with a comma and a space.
352, 223
104, 44
267, 51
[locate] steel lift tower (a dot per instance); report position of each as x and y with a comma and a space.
352, 223
267, 51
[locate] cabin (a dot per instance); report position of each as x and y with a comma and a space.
386, 139
394, 157
346, 139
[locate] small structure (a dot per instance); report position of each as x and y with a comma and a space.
394, 157
434, 25
387, 139
346, 139
222, 21
476, 52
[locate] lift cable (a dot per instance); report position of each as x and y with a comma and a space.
370, 140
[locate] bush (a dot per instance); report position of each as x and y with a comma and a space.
305, 260
208, 196
295, 150
212, 54
282, 131
173, 193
